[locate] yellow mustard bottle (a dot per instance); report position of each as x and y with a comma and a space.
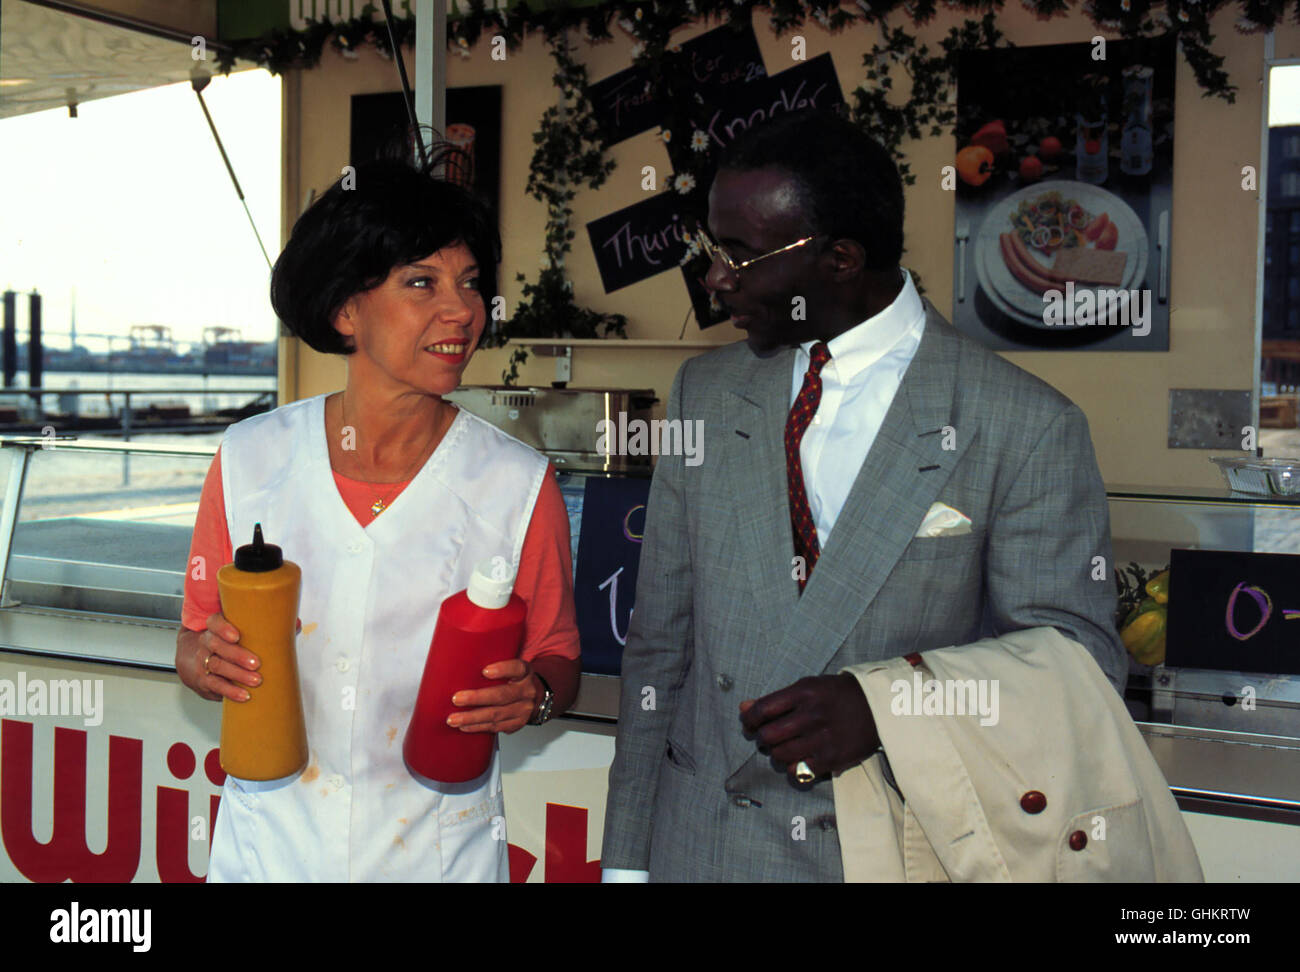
264, 738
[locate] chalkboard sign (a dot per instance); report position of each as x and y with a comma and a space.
640, 241
808, 85
609, 550
1234, 611
722, 57
645, 238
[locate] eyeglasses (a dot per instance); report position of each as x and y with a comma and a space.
713, 249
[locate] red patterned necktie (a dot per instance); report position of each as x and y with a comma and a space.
801, 413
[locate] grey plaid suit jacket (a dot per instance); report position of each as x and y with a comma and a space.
719, 618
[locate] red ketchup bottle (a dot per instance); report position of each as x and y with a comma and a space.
478, 626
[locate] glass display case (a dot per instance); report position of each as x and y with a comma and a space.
94, 538
1227, 740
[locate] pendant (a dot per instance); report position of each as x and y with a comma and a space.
377, 507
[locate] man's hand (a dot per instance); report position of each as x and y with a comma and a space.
823, 720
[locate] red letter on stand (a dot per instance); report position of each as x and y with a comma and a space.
566, 847
66, 855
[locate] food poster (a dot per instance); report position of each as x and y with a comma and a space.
1063, 180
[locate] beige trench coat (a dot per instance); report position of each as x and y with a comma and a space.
1060, 787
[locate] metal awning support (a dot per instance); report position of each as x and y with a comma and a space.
431, 64
198, 81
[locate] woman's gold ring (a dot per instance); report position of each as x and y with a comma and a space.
803, 772
205, 662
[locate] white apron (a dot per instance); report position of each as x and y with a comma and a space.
370, 599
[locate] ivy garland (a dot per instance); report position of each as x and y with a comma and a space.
569, 152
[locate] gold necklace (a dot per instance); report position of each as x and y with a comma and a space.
381, 504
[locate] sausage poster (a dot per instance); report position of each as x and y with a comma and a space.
1062, 184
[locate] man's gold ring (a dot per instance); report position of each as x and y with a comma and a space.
205, 662
803, 772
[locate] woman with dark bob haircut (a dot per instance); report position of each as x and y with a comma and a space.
388, 497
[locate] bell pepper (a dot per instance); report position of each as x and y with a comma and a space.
1143, 632
1158, 587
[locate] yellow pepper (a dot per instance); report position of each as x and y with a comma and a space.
1143, 633
1158, 587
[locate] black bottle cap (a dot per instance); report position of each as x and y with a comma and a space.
258, 556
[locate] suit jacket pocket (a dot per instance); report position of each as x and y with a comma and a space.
935, 548
678, 757
1107, 844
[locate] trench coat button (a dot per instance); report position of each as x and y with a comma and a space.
725, 683
336, 781
354, 547
1078, 840
1033, 802
342, 664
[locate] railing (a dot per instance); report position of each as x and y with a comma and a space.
126, 413
30, 443
51, 438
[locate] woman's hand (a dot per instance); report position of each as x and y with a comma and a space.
500, 708
214, 664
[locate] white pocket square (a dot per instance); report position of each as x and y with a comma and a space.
943, 521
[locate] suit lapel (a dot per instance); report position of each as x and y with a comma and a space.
899, 480
756, 415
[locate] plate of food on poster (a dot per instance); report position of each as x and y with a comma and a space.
1062, 187
1044, 244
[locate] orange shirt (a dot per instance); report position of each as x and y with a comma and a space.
544, 580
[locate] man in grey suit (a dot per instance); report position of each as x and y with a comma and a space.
793, 551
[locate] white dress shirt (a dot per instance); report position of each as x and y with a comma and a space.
858, 384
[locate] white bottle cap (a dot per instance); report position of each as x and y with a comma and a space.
491, 584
